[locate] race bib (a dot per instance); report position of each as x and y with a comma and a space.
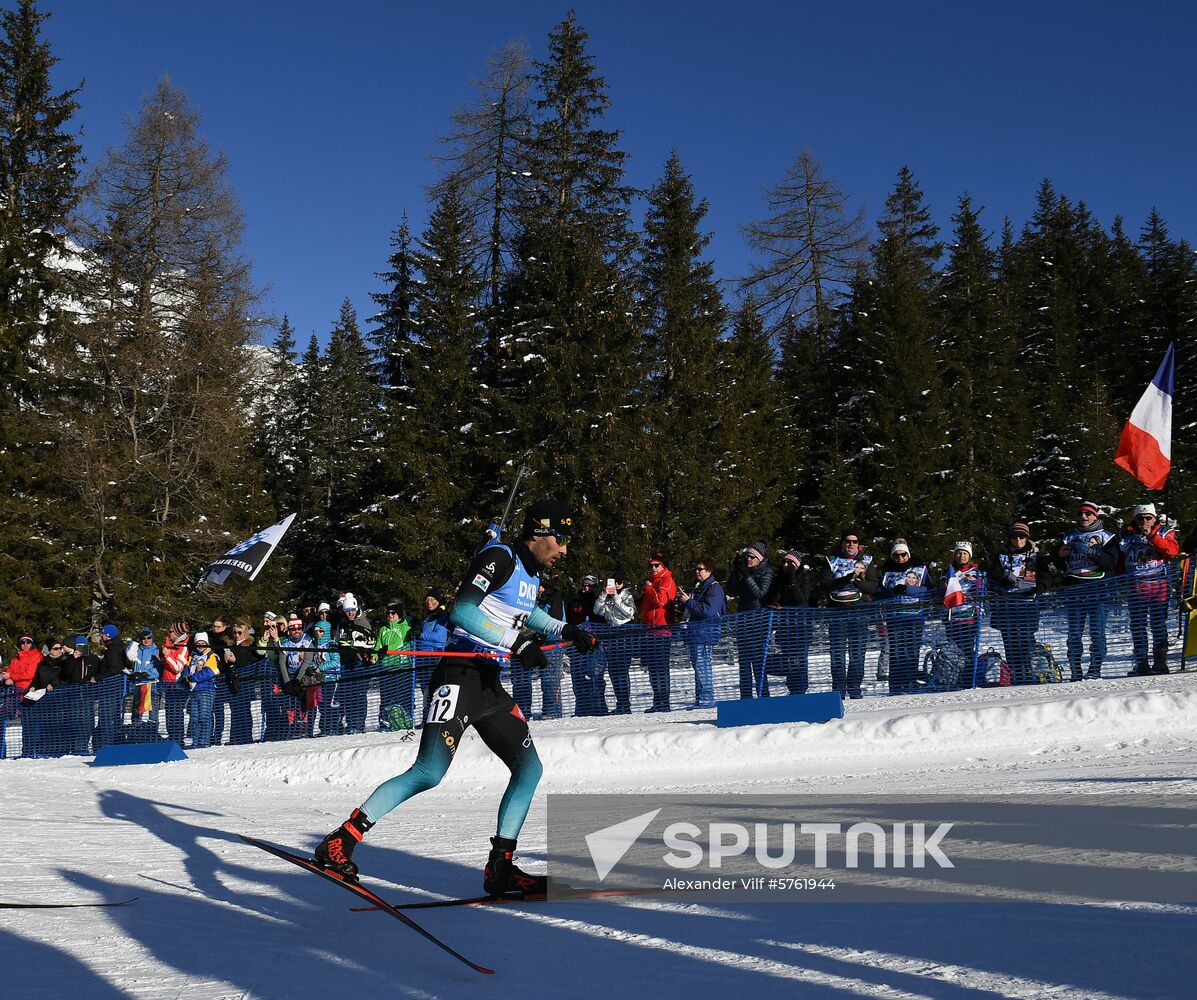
443, 703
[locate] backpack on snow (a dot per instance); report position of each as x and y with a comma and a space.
942, 666
992, 670
1044, 668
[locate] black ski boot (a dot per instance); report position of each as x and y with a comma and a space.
335, 852
502, 877
1161, 663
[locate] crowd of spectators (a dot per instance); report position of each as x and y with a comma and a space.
305, 664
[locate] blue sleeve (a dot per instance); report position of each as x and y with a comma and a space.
467, 615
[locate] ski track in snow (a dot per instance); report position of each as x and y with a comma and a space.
214, 919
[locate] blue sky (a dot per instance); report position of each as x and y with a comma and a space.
328, 112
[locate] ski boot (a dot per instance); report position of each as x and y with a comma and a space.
502, 877
335, 852
1161, 663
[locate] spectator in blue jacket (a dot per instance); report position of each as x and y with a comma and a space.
704, 607
432, 638
201, 676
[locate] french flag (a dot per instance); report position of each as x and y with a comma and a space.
953, 596
1145, 450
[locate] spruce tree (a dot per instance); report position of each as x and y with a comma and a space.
894, 407
749, 502
429, 504
392, 337
685, 317
340, 470
569, 359
39, 164
986, 418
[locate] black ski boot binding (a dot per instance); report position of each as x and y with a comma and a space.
335, 852
502, 877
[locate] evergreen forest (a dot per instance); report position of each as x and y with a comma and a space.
877, 374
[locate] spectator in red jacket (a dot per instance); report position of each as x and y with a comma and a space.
656, 596
23, 666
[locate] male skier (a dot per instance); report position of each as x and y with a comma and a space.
495, 612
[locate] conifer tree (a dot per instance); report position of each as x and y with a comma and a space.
485, 159
341, 462
570, 355
39, 164
896, 435
986, 418
810, 248
753, 467
392, 338
1073, 430
685, 317
159, 428
428, 507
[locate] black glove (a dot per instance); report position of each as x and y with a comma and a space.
899, 588
583, 641
527, 650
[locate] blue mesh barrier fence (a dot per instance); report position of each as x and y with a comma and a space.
1107, 628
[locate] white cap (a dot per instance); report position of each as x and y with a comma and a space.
349, 603
964, 547
899, 547
322, 606
200, 638
1145, 508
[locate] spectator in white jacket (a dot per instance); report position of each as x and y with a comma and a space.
617, 607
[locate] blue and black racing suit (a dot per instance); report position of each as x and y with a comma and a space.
496, 600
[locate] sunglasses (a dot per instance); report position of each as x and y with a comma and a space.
655, 565
901, 555
55, 646
26, 642
851, 541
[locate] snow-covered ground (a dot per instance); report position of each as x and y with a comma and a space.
215, 918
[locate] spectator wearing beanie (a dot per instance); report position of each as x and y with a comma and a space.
1146, 545
790, 596
962, 610
1015, 577
396, 687
433, 636
1088, 553
904, 586
749, 582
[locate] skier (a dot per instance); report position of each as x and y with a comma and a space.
495, 613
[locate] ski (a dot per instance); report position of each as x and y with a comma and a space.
563, 895
360, 890
62, 906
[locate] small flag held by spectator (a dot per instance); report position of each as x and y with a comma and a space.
1145, 450
953, 596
